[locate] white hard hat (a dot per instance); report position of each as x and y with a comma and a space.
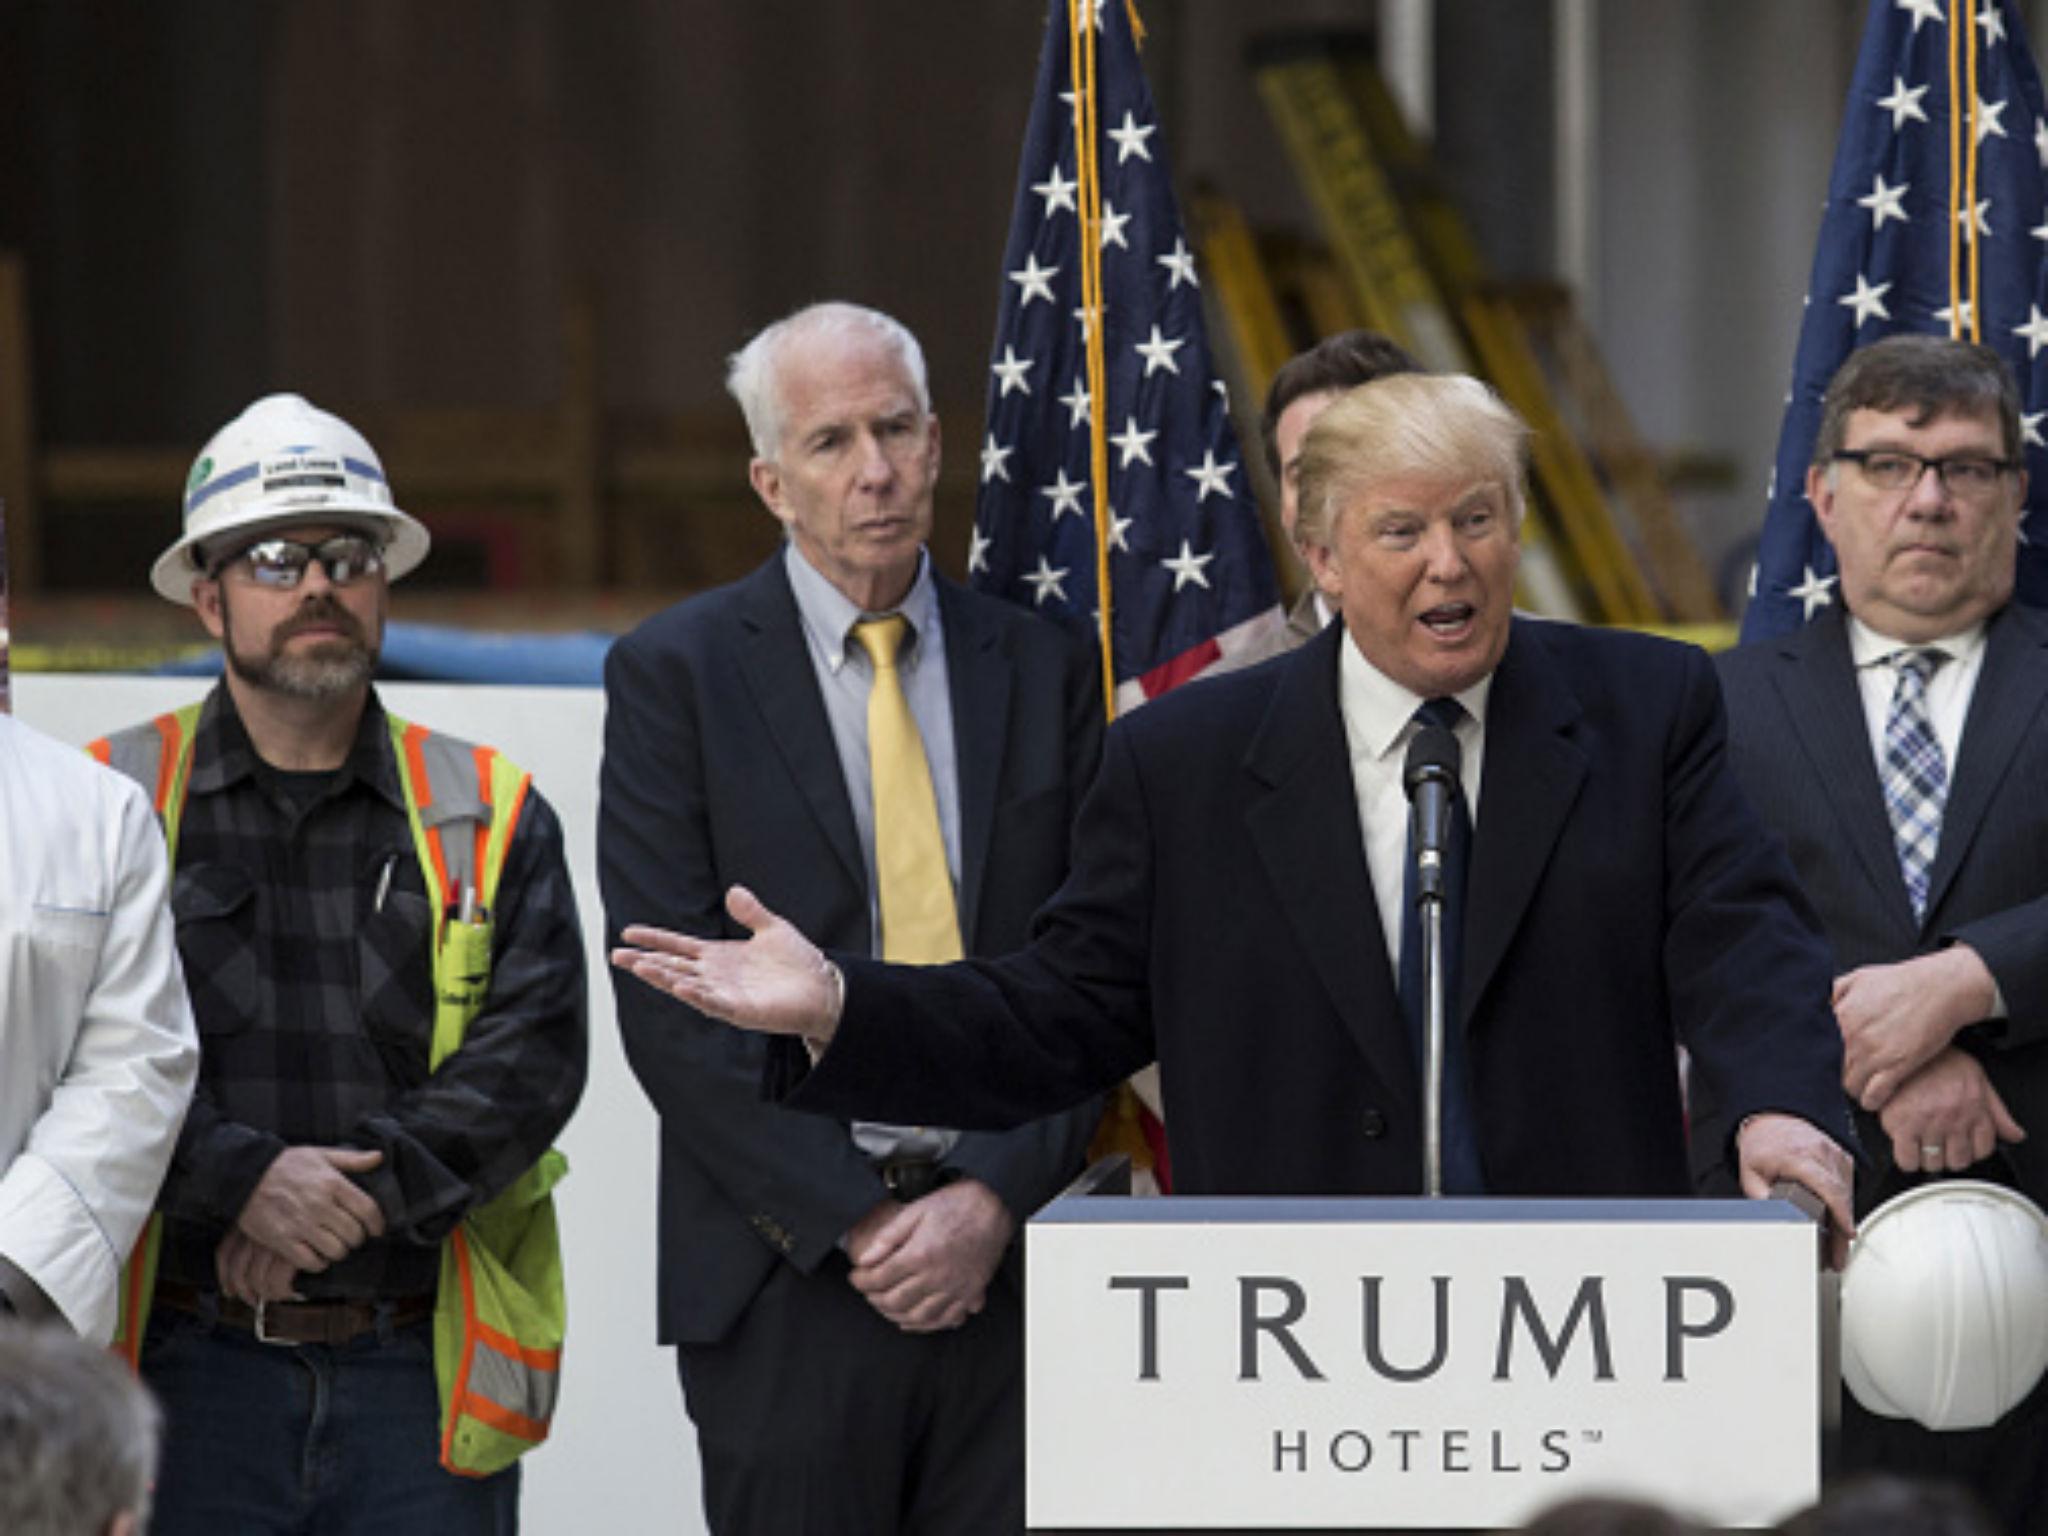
1945, 1305
280, 463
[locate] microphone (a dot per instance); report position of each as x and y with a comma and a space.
1431, 779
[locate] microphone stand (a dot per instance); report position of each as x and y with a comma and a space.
1429, 900
1430, 777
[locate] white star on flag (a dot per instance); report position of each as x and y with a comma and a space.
2034, 332
1012, 371
978, 545
1978, 220
994, 461
1210, 476
1158, 350
1130, 139
1921, 10
1131, 443
1180, 262
1036, 281
1867, 300
1046, 581
1886, 203
1113, 226
2030, 428
1988, 114
1076, 404
1187, 567
1118, 526
1065, 494
1993, 25
2041, 141
1057, 192
1956, 317
1812, 593
1904, 104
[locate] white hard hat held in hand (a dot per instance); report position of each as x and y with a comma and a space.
1945, 1305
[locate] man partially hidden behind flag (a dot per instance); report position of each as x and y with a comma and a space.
1100, 377
1935, 221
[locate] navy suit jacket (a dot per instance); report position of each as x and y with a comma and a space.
1220, 916
1800, 742
720, 768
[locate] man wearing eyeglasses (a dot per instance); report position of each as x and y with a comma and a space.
322, 854
1899, 744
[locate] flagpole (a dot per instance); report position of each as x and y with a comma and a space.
1081, 73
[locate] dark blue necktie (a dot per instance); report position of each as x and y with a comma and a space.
1462, 1170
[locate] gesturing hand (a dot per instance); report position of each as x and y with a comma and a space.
774, 983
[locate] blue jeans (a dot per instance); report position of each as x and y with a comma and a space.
308, 1440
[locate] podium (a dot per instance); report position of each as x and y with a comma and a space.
1341, 1364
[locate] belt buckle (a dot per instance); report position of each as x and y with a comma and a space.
263, 1335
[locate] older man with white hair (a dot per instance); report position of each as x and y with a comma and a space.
898, 761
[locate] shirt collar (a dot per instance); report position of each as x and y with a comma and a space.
1381, 709
830, 615
1868, 648
223, 755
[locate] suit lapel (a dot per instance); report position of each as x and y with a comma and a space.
2009, 695
784, 684
1816, 681
1534, 773
1302, 813
979, 684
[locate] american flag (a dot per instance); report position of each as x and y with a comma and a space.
1884, 259
1191, 582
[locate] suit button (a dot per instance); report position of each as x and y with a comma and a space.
1374, 1124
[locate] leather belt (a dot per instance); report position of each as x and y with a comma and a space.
911, 1179
298, 1322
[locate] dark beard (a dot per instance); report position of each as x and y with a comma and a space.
329, 670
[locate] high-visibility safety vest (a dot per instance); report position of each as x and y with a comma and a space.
500, 1310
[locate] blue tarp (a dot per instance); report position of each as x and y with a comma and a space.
437, 653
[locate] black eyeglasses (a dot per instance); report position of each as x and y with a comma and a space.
1965, 475
281, 563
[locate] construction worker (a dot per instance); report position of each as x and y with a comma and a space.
381, 942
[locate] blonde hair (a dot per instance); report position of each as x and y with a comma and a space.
1436, 426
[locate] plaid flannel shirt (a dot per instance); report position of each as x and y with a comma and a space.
304, 927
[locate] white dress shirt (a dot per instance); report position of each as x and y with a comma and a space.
1949, 687
1378, 725
98, 1055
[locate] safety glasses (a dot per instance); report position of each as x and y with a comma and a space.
281, 563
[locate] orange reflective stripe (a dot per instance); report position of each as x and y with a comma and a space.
167, 763
130, 1346
511, 1348
460, 1392
504, 1420
423, 796
485, 757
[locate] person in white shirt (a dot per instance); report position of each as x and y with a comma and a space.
98, 1054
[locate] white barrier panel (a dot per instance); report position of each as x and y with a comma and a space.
1291, 1365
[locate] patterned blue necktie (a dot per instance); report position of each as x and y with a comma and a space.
1462, 1170
1915, 777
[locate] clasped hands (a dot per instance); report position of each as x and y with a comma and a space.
1898, 1022
305, 1214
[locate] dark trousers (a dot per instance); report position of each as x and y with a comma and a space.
2006, 1465
818, 1417
312, 1440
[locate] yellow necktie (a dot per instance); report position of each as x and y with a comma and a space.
919, 923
